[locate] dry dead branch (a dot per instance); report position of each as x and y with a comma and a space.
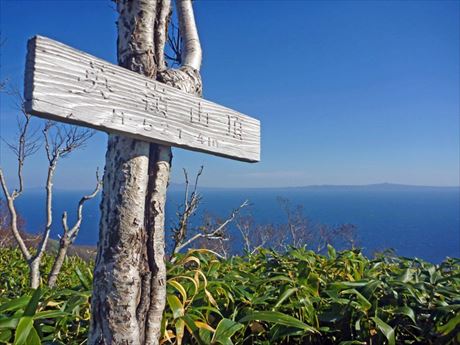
59, 141
210, 231
70, 234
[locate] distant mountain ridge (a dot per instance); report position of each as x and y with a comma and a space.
380, 187
325, 187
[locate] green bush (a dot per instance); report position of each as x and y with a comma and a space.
298, 297
43, 316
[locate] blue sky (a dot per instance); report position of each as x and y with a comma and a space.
348, 92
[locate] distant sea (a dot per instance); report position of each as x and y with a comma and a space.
419, 222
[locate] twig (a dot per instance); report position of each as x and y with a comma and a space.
213, 234
69, 235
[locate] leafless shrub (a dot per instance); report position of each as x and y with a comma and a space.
211, 230
59, 142
256, 236
297, 231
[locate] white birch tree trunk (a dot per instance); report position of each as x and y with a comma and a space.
117, 280
129, 289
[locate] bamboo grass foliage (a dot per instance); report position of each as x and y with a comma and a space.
296, 297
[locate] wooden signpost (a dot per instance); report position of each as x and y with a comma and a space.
67, 85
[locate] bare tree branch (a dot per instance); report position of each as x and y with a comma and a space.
69, 234
192, 54
187, 211
257, 236
26, 144
61, 140
14, 218
161, 32
299, 228
216, 233
244, 225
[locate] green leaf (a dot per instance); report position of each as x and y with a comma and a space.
176, 306
313, 284
33, 338
179, 287
15, 304
386, 329
369, 289
280, 318
208, 308
406, 276
363, 302
280, 279
405, 310
26, 323
180, 324
284, 296
331, 252
449, 326
83, 280
205, 336
10, 323
47, 329
50, 314
225, 330
33, 303
347, 284
5, 335
195, 330
281, 331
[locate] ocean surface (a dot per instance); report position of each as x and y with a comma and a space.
419, 222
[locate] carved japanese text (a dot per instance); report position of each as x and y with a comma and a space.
199, 116
235, 127
154, 101
95, 80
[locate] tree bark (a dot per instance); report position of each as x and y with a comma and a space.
122, 235
187, 78
64, 244
121, 240
129, 288
34, 262
159, 169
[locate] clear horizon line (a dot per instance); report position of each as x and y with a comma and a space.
282, 187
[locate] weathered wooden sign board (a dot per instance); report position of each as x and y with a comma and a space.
67, 85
